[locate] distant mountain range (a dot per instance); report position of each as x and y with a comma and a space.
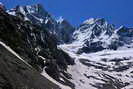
38, 51
97, 35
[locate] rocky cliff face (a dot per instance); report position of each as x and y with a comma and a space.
39, 16
65, 31
16, 74
35, 45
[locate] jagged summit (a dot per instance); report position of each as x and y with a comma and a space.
1, 3
36, 14
89, 21
97, 34
98, 21
2, 7
60, 20
29, 8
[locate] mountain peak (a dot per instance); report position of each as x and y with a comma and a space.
121, 27
89, 21
37, 8
1, 3
36, 13
98, 21
60, 20
2, 6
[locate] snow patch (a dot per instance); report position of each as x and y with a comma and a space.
60, 20
80, 71
89, 21
11, 12
54, 81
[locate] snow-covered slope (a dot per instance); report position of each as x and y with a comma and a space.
107, 69
103, 56
54, 81
97, 34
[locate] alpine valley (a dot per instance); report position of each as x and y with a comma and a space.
38, 51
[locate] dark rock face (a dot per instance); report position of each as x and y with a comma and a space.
91, 47
125, 34
34, 44
15, 74
65, 31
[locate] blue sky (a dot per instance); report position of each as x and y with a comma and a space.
118, 12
